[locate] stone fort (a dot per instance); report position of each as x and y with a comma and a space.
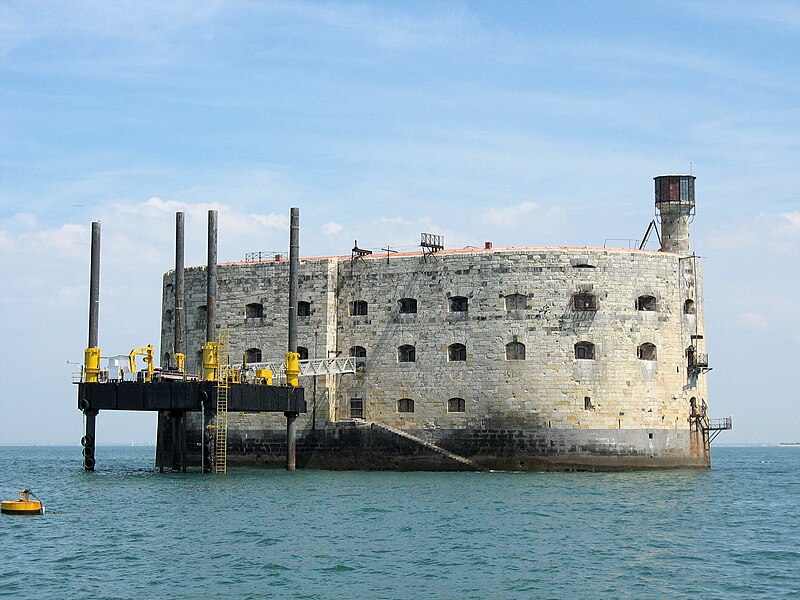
518, 358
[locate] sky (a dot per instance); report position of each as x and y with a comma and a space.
521, 123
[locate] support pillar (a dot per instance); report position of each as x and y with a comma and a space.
292, 365
161, 440
88, 440
291, 440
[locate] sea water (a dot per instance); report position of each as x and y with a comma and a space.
126, 531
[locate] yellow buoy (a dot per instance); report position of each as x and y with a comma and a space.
23, 505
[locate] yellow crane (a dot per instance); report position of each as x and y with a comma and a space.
147, 352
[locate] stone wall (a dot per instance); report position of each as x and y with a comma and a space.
516, 295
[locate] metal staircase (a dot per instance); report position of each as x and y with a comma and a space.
221, 431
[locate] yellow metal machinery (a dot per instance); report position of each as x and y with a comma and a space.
292, 369
180, 362
264, 376
147, 352
210, 360
221, 431
91, 361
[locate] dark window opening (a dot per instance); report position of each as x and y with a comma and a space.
688, 307
458, 304
254, 310
360, 354
202, 312
456, 405
646, 351
584, 350
303, 352
358, 308
584, 301
303, 309
356, 408
515, 351
516, 302
457, 352
587, 403
405, 405
408, 305
646, 303
168, 316
406, 353
252, 355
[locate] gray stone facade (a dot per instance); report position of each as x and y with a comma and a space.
563, 358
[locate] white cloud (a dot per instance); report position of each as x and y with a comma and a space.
775, 233
332, 228
753, 320
524, 214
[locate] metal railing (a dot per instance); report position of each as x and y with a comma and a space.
264, 256
720, 424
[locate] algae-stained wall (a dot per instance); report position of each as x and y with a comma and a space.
548, 389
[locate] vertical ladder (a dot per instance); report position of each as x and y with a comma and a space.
221, 432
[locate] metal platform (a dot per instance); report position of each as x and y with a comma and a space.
188, 396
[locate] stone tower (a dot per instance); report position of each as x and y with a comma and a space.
675, 205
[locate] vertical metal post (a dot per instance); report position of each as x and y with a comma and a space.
291, 355
294, 263
180, 315
291, 441
94, 286
92, 351
211, 281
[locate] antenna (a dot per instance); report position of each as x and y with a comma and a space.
388, 251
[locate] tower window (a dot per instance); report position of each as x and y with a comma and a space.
458, 304
408, 305
646, 303
254, 310
688, 307
406, 353
405, 405
303, 309
456, 405
168, 316
358, 307
587, 403
303, 352
202, 312
252, 355
646, 351
584, 301
515, 351
457, 352
516, 302
584, 350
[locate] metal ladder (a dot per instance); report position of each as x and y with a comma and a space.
221, 432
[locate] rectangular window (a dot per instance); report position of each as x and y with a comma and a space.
356, 408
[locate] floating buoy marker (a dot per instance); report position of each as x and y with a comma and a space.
23, 505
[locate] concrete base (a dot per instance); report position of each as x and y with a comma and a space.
363, 446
